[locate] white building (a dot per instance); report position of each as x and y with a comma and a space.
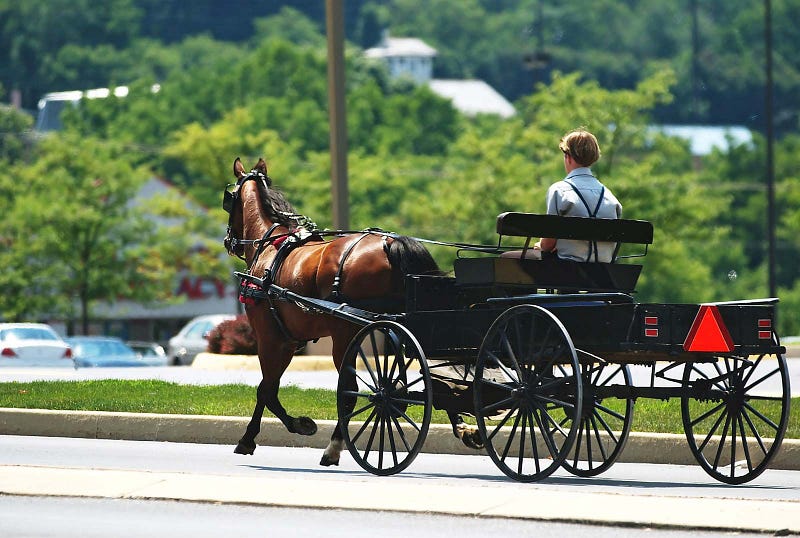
412, 58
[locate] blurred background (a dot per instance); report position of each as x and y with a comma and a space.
120, 121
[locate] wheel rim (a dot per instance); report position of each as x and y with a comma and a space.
384, 398
527, 381
733, 422
604, 426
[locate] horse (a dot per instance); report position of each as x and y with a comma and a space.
356, 266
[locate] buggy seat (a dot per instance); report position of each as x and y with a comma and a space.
553, 273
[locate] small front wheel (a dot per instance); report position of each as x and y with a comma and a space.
384, 398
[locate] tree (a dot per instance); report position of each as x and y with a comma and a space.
73, 237
15, 127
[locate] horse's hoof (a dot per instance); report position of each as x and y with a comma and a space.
473, 440
327, 461
245, 448
304, 426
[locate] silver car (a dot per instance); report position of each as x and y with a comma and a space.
32, 344
193, 338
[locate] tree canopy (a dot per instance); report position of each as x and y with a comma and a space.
416, 165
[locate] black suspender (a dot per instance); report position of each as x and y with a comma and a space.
592, 214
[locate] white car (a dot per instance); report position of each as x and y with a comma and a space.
193, 338
32, 344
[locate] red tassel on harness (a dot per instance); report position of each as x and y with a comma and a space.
244, 297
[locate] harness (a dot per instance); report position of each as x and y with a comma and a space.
592, 214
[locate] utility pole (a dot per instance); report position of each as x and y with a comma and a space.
334, 17
768, 113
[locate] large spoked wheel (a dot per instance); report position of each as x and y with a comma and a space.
735, 414
527, 393
605, 419
384, 398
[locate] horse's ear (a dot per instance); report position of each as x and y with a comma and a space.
238, 168
261, 167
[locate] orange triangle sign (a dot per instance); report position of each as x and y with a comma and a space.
708, 332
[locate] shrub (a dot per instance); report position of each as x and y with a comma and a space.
233, 337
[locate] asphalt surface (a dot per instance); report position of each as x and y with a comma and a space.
629, 495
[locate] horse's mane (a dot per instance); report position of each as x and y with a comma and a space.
276, 205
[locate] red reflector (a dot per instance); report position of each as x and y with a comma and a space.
765, 323
651, 332
764, 335
708, 332
651, 320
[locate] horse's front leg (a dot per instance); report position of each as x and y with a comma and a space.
247, 444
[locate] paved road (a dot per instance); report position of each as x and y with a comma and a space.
628, 494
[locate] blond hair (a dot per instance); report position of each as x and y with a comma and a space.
582, 146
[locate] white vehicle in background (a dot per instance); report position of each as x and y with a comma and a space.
193, 338
32, 344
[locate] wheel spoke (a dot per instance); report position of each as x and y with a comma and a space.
722, 438
760, 415
605, 425
501, 423
707, 414
713, 429
510, 439
753, 428
745, 448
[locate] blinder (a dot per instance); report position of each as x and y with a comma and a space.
232, 244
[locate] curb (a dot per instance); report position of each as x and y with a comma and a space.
656, 448
300, 363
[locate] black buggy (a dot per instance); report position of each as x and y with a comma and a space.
537, 354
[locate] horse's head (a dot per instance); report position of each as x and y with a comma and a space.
232, 203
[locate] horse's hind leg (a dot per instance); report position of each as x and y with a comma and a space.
468, 434
336, 445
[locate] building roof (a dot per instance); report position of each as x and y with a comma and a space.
400, 46
473, 97
703, 139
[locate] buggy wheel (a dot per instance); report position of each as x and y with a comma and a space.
733, 417
527, 392
384, 398
605, 425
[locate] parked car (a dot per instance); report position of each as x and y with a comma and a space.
147, 349
107, 351
193, 338
32, 344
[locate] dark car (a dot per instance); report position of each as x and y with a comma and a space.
107, 351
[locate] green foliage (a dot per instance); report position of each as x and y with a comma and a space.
15, 129
73, 238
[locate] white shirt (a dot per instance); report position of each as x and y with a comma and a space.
563, 200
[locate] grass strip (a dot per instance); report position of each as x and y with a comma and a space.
153, 396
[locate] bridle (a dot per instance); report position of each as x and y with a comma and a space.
234, 245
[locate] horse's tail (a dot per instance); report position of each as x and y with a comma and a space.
408, 256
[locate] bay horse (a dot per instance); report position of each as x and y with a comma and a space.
355, 266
